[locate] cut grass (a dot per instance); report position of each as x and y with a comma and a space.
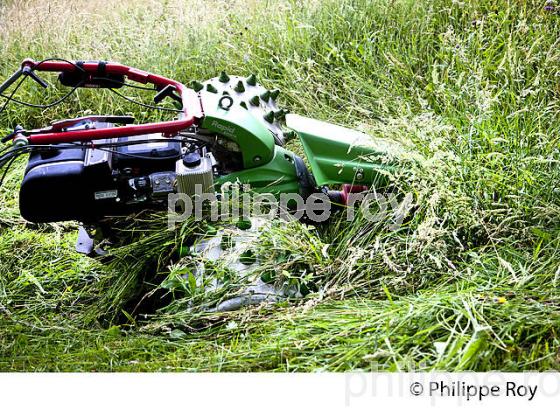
468, 282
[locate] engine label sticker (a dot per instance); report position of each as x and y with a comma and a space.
106, 194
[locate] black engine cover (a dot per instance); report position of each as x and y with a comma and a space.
57, 186
87, 185
147, 157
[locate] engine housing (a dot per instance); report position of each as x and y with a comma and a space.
87, 184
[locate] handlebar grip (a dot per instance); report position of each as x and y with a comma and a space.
6, 84
11, 136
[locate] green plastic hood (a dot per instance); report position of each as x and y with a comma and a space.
339, 155
237, 124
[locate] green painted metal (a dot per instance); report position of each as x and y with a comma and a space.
280, 114
336, 155
224, 78
252, 80
255, 101
240, 87
276, 177
269, 116
255, 141
197, 85
339, 155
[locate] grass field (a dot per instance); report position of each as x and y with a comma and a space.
469, 282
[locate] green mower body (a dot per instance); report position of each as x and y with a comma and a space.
247, 114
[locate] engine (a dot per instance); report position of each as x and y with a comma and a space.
88, 184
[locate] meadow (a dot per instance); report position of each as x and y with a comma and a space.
470, 281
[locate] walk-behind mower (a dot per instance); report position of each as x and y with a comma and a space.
229, 129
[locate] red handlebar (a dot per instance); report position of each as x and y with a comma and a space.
192, 109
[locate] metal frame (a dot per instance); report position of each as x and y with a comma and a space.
192, 109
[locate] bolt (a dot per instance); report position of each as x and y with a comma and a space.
269, 117
265, 96
274, 94
257, 159
239, 87
197, 86
252, 79
224, 78
255, 101
280, 114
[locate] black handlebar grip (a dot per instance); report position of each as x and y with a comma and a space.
7, 138
11, 136
6, 84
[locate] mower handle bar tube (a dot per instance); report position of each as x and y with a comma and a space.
191, 104
6, 84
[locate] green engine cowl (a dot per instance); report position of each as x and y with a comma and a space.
244, 112
339, 155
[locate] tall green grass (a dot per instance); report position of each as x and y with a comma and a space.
468, 282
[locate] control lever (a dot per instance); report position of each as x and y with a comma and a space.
6, 84
167, 91
29, 72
